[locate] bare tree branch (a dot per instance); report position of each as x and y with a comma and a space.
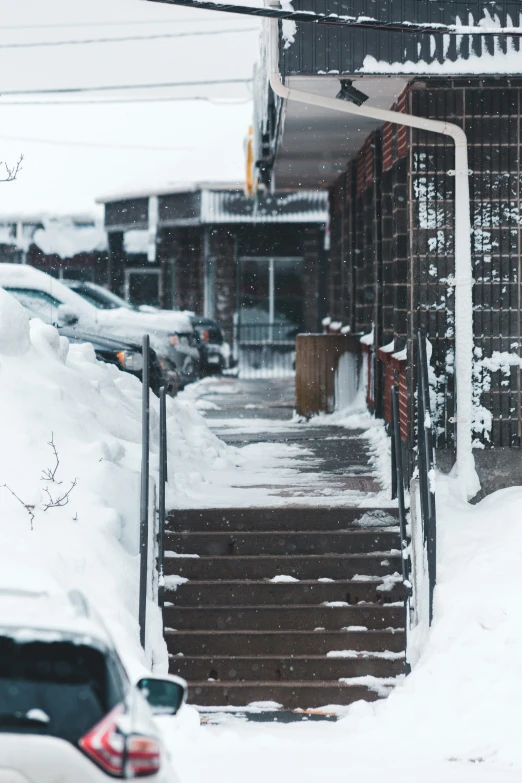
58, 502
12, 171
49, 474
27, 507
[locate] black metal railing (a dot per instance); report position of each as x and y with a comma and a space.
151, 538
425, 464
265, 350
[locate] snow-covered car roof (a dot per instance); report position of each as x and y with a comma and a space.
35, 607
123, 321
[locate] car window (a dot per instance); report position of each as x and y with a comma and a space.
58, 688
100, 298
41, 304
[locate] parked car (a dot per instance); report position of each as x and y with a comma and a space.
65, 307
127, 356
214, 352
68, 709
183, 342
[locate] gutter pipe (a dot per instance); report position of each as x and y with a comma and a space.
465, 462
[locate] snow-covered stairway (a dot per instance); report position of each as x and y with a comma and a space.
295, 605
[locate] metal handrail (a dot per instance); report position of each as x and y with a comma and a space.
425, 480
426, 462
161, 494
144, 495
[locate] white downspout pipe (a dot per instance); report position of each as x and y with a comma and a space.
465, 463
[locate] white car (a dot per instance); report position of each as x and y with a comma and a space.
68, 709
66, 308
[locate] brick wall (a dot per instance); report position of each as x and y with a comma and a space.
490, 112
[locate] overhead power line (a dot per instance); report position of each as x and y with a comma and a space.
112, 101
107, 88
336, 20
93, 144
121, 23
125, 39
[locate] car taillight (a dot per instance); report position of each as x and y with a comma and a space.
105, 744
143, 756
206, 336
120, 755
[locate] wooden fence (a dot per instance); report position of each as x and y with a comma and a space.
316, 370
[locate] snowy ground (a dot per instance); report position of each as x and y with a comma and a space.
455, 718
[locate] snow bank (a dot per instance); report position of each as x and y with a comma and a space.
56, 396
462, 700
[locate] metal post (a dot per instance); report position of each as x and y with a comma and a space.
397, 448
161, 494
400, 482
429, 464
393, 462
144, 500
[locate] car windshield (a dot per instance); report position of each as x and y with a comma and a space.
100, 298
59, 688
38, 303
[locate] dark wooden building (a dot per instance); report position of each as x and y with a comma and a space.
214, 251
391, 267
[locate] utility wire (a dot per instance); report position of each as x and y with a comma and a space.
104, 24
106, 88
154, 36
93, 144
111, 101
361, 22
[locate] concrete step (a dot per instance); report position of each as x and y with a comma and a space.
290, 668
297, 566
270, 643
290, 695
284, 518
283, 543
298, 618
262, 592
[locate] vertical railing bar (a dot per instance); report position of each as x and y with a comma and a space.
397, 447
400, 477
144, 497
421, 443
161, 492
430, 519
393, 457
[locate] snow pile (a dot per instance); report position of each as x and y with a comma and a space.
462, 700
69, 471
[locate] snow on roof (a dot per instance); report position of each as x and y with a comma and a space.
66, 238
211, 203
167, 189
64, 235
301, 206
509, 62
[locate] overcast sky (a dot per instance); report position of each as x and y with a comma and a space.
74, 153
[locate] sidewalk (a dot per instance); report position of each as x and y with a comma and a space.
298, 463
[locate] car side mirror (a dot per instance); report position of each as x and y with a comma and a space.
165, 695
66, 316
